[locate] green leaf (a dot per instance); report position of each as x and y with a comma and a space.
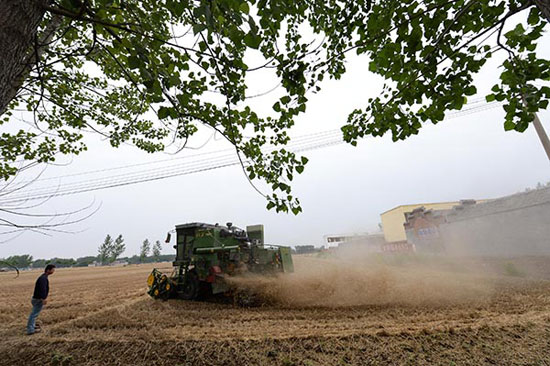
470, 90
285, 99
519, 30
252, 41
534, 17
373, 66
134, 62
489, 98
197, 28
163, 112
244, 7
509, 125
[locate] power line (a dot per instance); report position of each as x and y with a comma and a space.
159, 173
315, 138
452, 114
187, 157
170, 172
186, 165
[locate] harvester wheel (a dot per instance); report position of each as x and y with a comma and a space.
190, 288
205, 290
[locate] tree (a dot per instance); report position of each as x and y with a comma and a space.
105, 250
61, 262
144, 250
430, 51
157, 248
19, 261
85, 261
109, 66
110, 250
39, 263
117, 248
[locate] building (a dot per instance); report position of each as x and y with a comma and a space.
341, 240
335, 240
119, 263
393, 220
515, 225
355, 244
422, 229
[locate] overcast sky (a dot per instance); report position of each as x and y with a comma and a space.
343, 188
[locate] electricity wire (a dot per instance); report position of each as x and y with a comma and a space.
190, 164
159, 173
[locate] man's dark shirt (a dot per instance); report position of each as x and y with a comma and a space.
42, 287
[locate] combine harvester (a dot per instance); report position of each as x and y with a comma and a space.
207, 254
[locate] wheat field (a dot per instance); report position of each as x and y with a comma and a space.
325, 313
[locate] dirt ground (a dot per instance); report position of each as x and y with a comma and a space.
406, 312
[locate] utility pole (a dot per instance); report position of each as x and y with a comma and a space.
544, 7
542, 135
540, 130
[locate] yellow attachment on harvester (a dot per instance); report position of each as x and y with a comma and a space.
160, 285
150, 280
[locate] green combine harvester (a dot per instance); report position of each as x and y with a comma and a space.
207, 254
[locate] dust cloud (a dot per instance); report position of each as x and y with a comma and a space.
341, 282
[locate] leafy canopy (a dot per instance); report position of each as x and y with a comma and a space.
429, 52
152, 72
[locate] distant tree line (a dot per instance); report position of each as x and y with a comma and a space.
109, 251
26, 261
136, 259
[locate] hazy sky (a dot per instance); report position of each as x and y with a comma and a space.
343, 188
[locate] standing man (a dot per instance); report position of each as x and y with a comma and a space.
41, 289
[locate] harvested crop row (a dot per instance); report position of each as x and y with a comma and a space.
97, 315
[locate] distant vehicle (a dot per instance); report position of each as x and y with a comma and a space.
206, 254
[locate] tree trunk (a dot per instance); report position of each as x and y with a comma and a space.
544, 7
19, 21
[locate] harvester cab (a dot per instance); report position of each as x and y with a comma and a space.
207, 254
